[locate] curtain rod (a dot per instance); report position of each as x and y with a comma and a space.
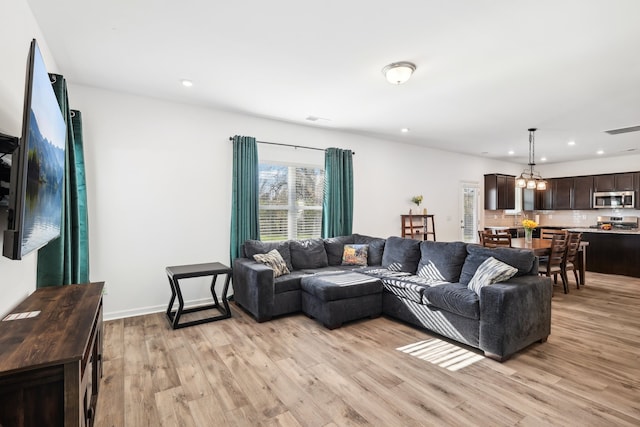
290, 145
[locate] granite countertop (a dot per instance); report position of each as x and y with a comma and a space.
597, 230
570, 228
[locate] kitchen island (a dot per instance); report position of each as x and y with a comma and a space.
612, 251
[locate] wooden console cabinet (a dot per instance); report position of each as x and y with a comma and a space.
51, 363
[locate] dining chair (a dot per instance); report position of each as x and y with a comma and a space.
552, 266
570, 256
492, 240
547, 233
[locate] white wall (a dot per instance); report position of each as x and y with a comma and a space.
159, 186
17, 278
624, 163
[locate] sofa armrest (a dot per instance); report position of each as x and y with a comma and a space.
514, 314
253, 287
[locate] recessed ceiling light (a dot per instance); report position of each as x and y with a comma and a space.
404, 130
571, 143
186, 83
543, 159
511, 152
600, 152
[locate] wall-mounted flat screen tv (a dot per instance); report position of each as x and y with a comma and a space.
37, 166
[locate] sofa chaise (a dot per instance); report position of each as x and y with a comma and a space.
438, 286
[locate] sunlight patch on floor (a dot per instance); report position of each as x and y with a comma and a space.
442, 353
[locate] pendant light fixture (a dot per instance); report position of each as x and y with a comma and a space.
531, 179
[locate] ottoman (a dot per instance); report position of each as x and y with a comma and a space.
341, 297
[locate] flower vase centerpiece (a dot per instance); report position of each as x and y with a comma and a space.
418, 200
528, 225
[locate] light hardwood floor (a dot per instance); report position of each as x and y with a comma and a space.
293, 372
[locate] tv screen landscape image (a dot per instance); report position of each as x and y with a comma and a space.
37, 167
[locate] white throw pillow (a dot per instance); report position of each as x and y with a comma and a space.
489, 272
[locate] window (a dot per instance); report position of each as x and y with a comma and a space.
290, 201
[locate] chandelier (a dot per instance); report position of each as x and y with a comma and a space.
531, 179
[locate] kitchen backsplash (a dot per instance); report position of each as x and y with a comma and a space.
563, 218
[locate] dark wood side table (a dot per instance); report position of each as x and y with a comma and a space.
197, 270
51, 357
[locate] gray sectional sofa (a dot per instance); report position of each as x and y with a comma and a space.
424, 284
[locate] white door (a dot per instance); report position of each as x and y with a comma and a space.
469, 211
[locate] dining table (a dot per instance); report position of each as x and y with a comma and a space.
542, 247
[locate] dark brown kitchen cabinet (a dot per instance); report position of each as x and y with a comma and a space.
582, 192
614, 182
562, 193
533, 200
636, 187
613, 253
499, 192
546, 197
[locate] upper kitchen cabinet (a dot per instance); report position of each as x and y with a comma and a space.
562, 193
614, 182
636, 187
499, 192
582, 192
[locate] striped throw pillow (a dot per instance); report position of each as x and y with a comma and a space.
489, 272
274, 260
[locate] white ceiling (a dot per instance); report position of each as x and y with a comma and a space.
486, 69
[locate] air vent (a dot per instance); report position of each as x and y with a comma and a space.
623, 130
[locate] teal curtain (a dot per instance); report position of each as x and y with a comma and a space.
337, 206
244, 203
65, 260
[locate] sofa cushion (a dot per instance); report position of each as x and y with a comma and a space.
491, 271
333, 287
287, 283
274, 260
401, 254
408, 287
252, 247
355, 255
453, 297
376, 248
522, 259
334, 246
442, 260
308, 254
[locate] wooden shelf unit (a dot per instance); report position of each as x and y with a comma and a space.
418, 227
51, 363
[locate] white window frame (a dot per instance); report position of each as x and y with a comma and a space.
294, 207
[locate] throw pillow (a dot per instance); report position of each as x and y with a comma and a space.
252, 247
446, 258
401, 254
274, 260
355, 255
523, 259
308, 254
334, 246
491, 271
376, 248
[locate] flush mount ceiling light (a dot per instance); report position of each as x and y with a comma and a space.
186, 83
531, 179
398, 72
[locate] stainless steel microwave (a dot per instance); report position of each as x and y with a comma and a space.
614, 199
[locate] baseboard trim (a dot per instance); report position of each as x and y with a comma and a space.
141, 311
